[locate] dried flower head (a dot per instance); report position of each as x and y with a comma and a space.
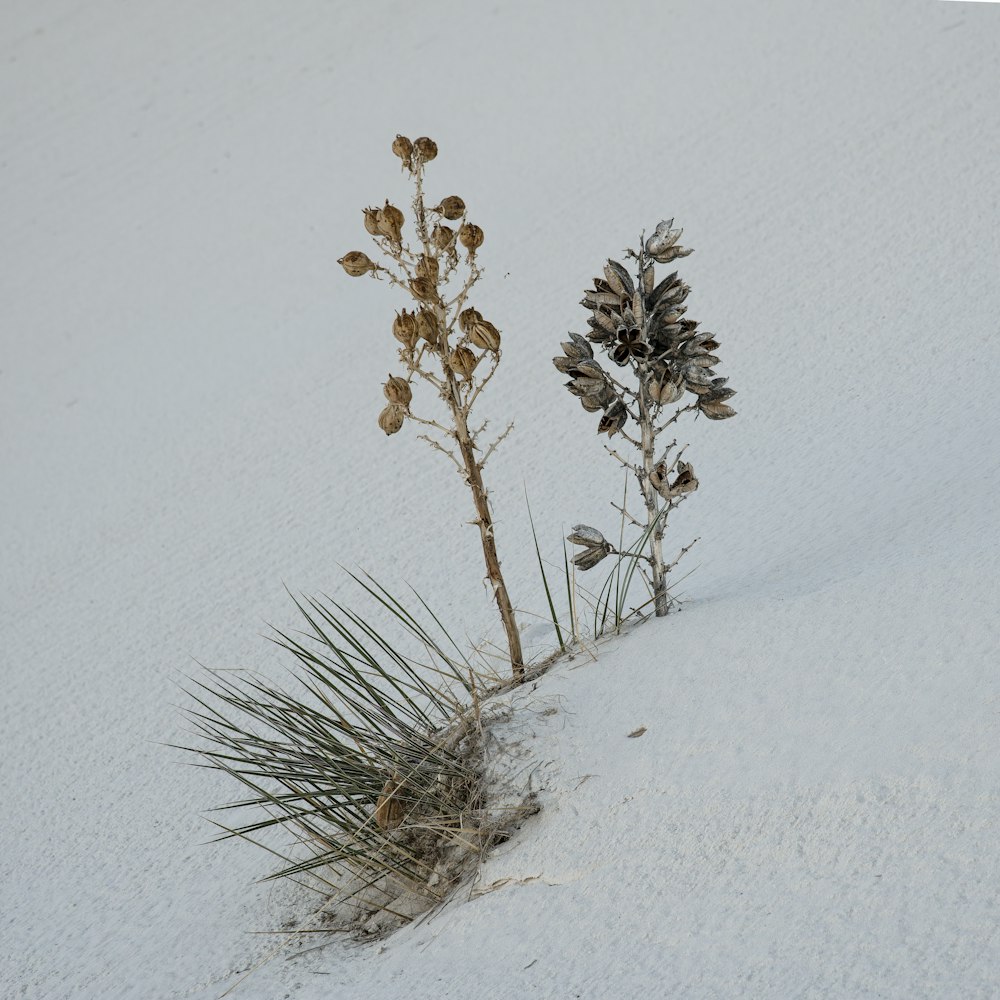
443, 237
356, 263
404, 329
391, 418
389, 222
462, 362
427, 327
397, 390
425, 149
451, 208
484, 335
403, 148
471, 237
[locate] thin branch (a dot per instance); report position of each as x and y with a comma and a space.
683, 552
625, 513
628, 465
492, 447
683, 409
494, 364
437, 446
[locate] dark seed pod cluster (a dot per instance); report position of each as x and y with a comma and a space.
658, 357
642, 324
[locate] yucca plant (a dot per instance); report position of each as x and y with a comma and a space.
660, 357
372, 761
445, 342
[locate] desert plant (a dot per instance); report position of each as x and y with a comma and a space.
445, 342
641, 325
372, 761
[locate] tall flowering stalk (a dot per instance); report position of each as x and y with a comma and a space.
444, 342
660, 358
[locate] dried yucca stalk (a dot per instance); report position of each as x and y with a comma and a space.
642, 327
445, 342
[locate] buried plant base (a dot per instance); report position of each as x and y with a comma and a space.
375, 764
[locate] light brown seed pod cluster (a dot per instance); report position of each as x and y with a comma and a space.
443, 340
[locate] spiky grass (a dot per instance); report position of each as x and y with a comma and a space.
372, 762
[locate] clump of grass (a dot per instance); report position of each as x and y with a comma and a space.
373, 761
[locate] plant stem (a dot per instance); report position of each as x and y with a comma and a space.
460, 409
661, 601
484, 519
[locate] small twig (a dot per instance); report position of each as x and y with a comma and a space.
437, 446
683, 409
625, 513
683, 552
628, 465
492, 447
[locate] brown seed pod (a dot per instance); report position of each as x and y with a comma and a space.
391, 418
371, 221
425, 149
404, 328
423, 290
427, 267
443, 237
485, 335
403, 148
467, 318
356, 263
717, 411
462, 362
471, 237
451, 208
397, 390
389, 811
427, 327
389, 221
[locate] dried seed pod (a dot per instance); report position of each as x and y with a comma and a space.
577, 347
425, 149
451, 208
389, 810
716, 411
467, 318
686, 481
590, 369
397, 390
665, 391
593, 403
371, 221
427, 267
485, 335
566, 365
443, 237
583, 534
403, 148
613, 420
462, 362
356, 263
427, 327
391, 418
423, 290
404, 328
471, 237
389, 220
662, 245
